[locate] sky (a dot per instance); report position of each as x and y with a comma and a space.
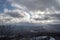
29, 12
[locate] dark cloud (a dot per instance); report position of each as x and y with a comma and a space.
15, 14
55, 16
42, 19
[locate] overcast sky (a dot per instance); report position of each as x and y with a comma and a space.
30, 11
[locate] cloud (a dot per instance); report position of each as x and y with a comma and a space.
14, 13
48, 16
21, 12
38, 4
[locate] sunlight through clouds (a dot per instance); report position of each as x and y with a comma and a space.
21, 13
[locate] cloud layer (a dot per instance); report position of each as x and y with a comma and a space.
31, 11
38, 4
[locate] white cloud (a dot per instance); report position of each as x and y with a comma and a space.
16, 15
48, 16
